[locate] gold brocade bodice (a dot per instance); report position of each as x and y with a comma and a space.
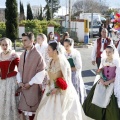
54, 71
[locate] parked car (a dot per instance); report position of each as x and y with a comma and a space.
94, 31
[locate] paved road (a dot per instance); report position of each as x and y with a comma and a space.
88, 70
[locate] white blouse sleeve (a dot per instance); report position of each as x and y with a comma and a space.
111, 43
19, 79
38, 78
102, 63
93, 55
118, 48
77, 60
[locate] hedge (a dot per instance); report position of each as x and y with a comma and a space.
35, 26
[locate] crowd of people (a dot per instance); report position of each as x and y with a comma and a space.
45, 82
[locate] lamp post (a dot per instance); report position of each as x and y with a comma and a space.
69, 16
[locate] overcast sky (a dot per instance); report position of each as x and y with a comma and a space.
62, 11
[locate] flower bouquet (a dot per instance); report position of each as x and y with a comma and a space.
60, 83
100, 72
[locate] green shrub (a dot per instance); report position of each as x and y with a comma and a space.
37, 26
2, 29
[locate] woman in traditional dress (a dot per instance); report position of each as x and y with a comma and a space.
103, 101
65, 36
74, 58
8, 84
51, 38
42, 46
58, 104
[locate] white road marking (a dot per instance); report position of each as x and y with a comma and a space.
88, 87
93, 72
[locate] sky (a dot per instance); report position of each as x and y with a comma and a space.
62, 10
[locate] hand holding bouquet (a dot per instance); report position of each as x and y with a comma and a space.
100, 72
60, 83
103, 78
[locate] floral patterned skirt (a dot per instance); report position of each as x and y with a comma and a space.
8, 100
76, 84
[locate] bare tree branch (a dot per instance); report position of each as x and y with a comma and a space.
89, 6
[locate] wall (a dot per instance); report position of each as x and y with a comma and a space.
50, 29
76, 25
2, 14
21, 30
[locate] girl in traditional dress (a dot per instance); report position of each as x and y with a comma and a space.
103, 101
74, 58
51, 38
42, 46
58, 104
8, 84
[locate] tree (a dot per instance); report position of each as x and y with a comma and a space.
29, 12
22, 16
11, 16
89, 6
48, 14
54, 6
41, 14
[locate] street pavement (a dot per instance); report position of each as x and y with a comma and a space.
88, 70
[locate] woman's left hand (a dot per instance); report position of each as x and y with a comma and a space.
107, 83
54, 91
73, 69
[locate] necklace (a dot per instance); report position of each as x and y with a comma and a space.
5, 53
53, 63
4, 58
109, 60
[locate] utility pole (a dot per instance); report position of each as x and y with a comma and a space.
69, 16
83, 8
91, 24
51, 9
66, 6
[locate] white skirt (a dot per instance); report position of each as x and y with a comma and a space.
8, 100
51, 108
102, 95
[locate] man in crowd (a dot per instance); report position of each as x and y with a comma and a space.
31, 73
99, 45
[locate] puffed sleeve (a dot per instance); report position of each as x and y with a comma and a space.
16, 61
93, 55
77, 60
102, 63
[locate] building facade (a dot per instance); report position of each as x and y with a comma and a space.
2, 14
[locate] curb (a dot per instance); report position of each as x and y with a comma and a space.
84, 46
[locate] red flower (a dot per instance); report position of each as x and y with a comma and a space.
118, 15
116, 21
61, 83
